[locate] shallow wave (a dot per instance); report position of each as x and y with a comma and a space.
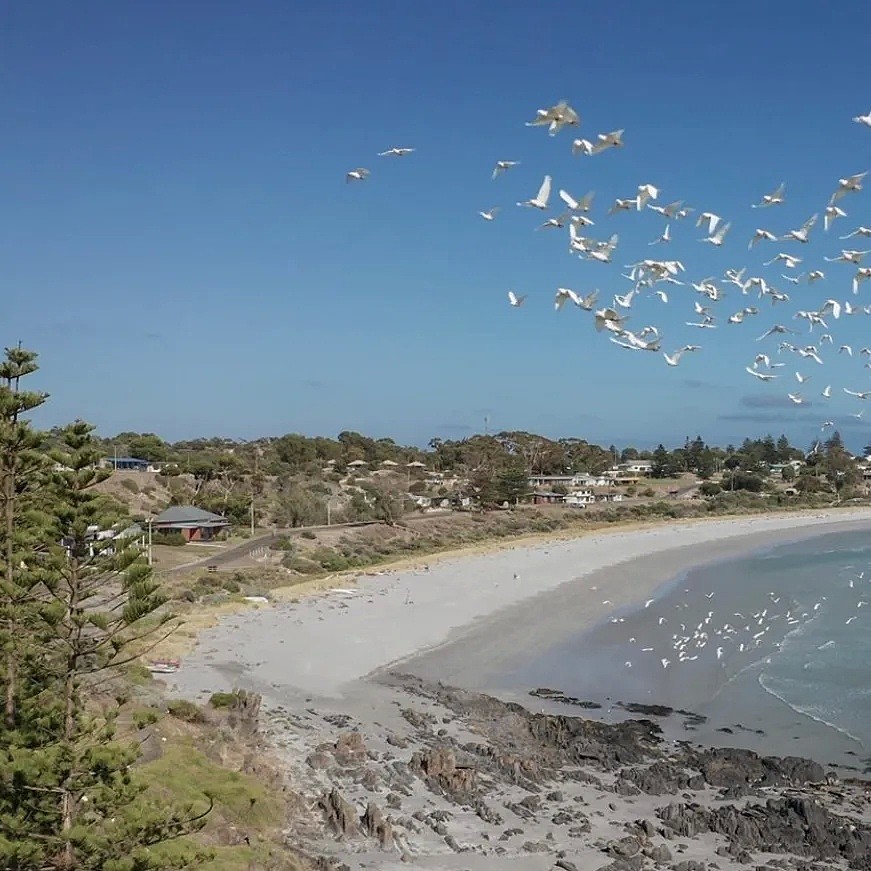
805, 712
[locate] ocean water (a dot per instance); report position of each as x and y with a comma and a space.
777, 643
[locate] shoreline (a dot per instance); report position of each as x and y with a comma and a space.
400, 769
195, 622
318, 645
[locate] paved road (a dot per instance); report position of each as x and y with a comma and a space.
242, 550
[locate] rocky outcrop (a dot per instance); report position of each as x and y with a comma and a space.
350, 749
438, 767
245, 714
341, 815
660, 778
610, 745
730, 767
795, 825
376, 826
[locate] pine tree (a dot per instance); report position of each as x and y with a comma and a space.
21, 467
102, 605
75, 610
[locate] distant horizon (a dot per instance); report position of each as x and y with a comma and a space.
619, 444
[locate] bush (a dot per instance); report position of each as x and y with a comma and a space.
648, 493
709, 488
173, 539
145, 717
224, 700
130, 486
186, 711
300, 564
230, 585
138, 673
308, 534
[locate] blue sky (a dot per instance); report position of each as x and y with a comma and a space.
179, 244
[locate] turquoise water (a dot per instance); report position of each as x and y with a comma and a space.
776, 641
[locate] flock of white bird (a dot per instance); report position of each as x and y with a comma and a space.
717, 635
653, 278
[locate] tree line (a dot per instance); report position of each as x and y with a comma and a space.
210, 459
74, 612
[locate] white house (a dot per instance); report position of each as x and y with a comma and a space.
637, 467
585, 480
580, 497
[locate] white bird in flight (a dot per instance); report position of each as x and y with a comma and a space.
716, 238
859, 231
665, 237
581, 205
539, 201
395, 152
851, 184
832, 213
761, 236
563, 294
503, 166
490, 214
670, 211
515, 300
555, 118
710, 219
773, 199
646, 192
801, 234
359, 174
865, 120
788, 260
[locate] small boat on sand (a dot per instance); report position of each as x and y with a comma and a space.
164, 666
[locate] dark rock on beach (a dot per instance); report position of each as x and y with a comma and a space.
800, 826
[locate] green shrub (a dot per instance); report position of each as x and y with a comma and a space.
282, 543
130, 486
300, 564
145, 717
138, 673
308, 534
173, 539
187, 711
224, 700
230, 585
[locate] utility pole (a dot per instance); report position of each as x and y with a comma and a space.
150, 541
328, 511
253, 484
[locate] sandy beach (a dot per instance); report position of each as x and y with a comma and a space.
318, 646
398, 767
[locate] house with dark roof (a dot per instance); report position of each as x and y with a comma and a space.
193, 523
128, 464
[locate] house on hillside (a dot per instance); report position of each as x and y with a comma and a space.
579, 498
585, 480
636, 467
548, 482
127, 464
193, 523
547, 497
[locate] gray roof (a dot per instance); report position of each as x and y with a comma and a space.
188, 515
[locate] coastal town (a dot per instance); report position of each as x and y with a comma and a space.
209, 492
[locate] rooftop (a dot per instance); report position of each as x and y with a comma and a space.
189, 515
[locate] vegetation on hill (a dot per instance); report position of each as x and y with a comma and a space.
295, 480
